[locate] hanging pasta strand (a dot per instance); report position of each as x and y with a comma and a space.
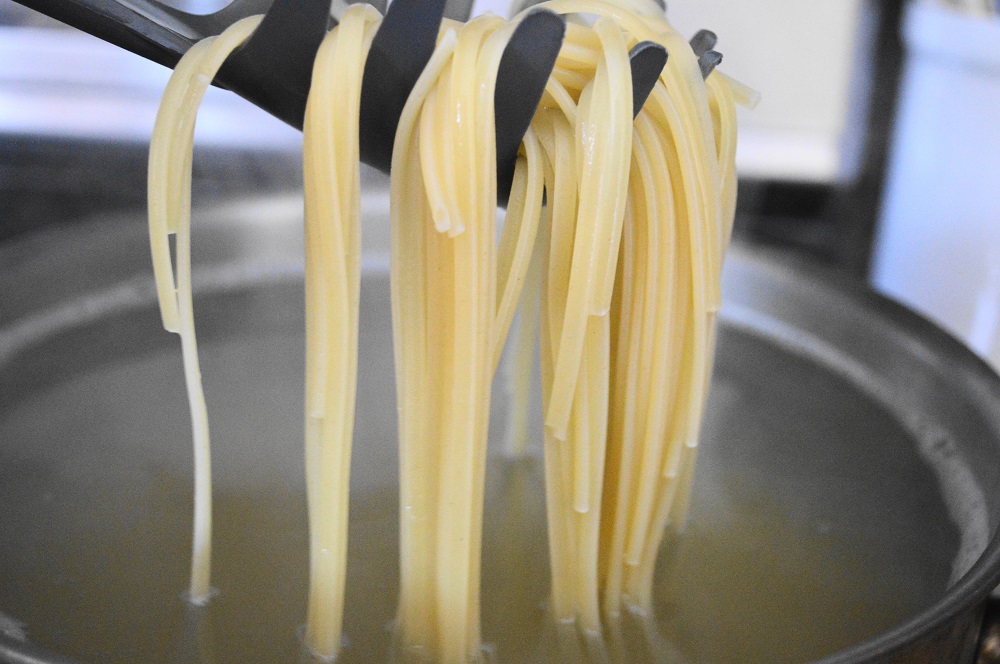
333, 273
411, 313
463, 307
170, 159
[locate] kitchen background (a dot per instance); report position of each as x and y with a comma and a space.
873, 151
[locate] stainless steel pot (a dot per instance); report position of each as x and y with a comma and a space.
834, 414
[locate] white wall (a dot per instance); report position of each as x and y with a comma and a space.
938, 243
798, 54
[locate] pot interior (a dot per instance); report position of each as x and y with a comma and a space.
841, 486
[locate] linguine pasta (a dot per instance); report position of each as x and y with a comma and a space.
611, 250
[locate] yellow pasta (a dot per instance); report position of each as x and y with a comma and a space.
624, 405
611, 249
170, 213
333, 274
444, 412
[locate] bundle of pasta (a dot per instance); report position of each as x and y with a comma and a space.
332, 182
627, 326
447, 284
637, 222
620, 269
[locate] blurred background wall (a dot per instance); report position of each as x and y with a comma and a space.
68, 93
873, 151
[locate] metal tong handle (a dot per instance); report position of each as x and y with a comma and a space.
273, 68
702, 44
147, 28
275, 72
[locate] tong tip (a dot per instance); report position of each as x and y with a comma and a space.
708, 62
646, 60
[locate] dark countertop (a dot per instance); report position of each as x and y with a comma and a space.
46, 181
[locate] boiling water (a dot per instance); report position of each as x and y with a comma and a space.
815, 524
752, 587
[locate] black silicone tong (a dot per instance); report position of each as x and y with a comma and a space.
273, 68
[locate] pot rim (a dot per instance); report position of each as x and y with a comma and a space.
975, 586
